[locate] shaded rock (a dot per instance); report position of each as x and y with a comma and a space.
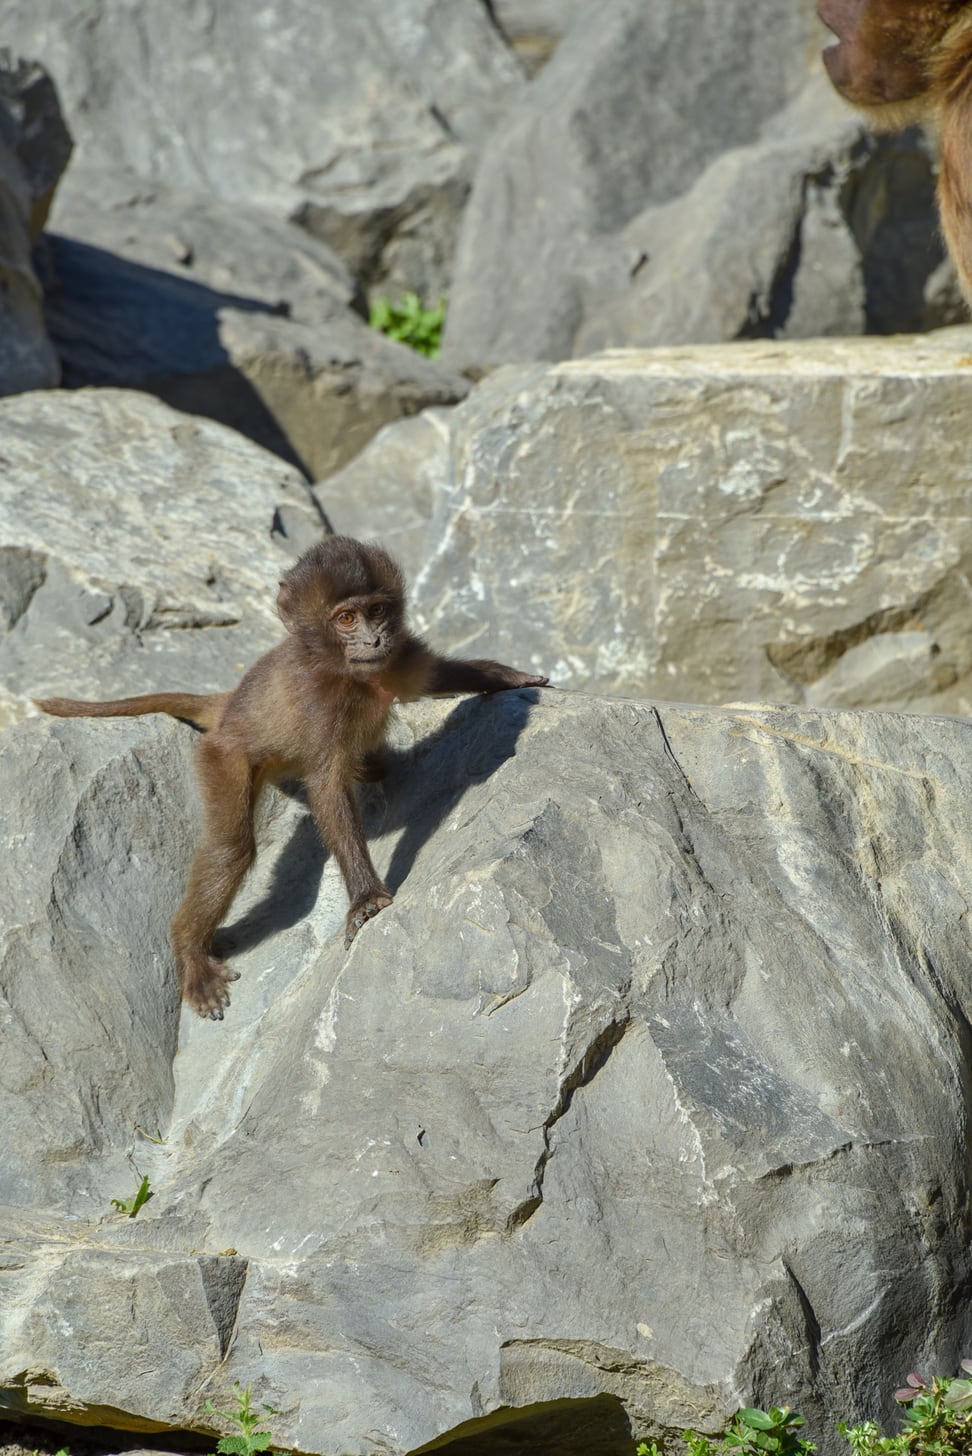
535, 27
819, 230
359, 121
34, 149
682, 175
711, 523
139, 549
648, 1091
31, 125
229, 313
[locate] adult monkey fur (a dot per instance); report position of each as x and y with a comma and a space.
314, 707
911, 60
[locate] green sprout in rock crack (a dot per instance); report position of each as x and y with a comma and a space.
409, 322
132, 1205
247, 1421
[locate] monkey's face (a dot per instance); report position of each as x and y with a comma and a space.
367, 629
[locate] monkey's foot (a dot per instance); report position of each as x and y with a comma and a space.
205, 983
365, 909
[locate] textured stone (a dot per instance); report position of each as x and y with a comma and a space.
683, 174
645, 1098
34, 150
757, 520
139, 548
359, 120
229, 313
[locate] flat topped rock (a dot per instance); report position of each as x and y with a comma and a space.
766, 520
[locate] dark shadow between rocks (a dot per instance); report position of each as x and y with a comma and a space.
421, 788
595, 1426
115, 322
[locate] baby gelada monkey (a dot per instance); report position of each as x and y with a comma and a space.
315, 707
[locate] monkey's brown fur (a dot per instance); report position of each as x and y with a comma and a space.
910, 60
314, 707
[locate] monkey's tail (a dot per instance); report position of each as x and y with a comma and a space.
203, 709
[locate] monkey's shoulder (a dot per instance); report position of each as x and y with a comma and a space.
409, 673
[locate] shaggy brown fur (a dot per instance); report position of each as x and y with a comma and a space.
315, 707
911, 60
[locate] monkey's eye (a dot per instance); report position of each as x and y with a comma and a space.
345, 619
378, 611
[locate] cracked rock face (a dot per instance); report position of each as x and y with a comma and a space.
139, 548
647, 1094
713, 524
34, 150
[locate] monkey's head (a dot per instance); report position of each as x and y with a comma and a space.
880, 58
345, 601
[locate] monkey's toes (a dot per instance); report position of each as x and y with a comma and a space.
205, 985
358, 914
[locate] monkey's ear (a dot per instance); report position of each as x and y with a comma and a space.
285, 604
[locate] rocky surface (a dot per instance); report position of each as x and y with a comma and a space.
34, 149
685, 174
359, 121
781, 521
139, 548
648, 1096
648, 1093
536, 27
231, 313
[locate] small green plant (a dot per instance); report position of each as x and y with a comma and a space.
410, 322
753, 1431
247, 1421
937, 1421
132, 1205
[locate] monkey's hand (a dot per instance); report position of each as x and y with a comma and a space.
364, 909
205, 984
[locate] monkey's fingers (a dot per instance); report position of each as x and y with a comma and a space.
358, 914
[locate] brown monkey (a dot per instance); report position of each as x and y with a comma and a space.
314, 707
911, 60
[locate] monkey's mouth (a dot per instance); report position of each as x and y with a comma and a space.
840, 17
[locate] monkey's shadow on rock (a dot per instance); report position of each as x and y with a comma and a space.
422, 787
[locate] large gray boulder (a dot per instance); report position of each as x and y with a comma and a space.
647, 1097
681, 174
34, 149
713, 523
360, 121
139, 548
229, 312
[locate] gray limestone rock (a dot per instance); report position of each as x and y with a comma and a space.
227, 312
683, 174
34, 150
646, 1098
139, 548
361, 121
536, 27
710, 523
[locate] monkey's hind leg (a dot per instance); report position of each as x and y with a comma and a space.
227, 784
